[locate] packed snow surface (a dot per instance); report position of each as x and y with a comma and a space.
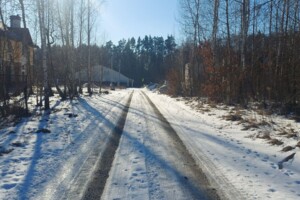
42, 155
247, 162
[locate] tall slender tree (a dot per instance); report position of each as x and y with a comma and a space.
215, 28
41, 8
89, 29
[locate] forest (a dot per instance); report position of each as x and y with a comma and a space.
236, 51
144, 60
244, 51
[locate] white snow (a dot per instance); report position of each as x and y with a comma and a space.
128, 179
147, 165
43, 165
246, 162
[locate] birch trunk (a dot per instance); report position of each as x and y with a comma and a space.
41, 15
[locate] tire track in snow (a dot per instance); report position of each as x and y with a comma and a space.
128, 176
194, 181
224, 188
96, 185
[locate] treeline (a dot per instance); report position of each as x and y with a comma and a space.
143, 60
236, 51
241, 51
65, 32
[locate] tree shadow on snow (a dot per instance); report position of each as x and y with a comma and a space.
28, 179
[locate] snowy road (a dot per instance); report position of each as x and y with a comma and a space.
152, 162
136, 144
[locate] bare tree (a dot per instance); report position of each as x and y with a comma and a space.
215, 27
23, 13
245, 14
41, 5
5, 80
190, 21
51, 24
89, 29
81, 13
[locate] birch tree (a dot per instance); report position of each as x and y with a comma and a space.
41, 5
190, 21
245, 12
81, 19
89, 29
215, 28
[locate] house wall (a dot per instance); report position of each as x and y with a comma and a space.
11, 55
4, 49
16, 51
31, 54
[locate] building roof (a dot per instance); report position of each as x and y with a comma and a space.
21, 34
17, 34
105, 74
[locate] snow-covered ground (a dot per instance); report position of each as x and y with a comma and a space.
150, 163
41, 165
235, 155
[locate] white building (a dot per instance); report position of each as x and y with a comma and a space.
105, 75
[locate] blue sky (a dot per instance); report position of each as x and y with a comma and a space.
132, 18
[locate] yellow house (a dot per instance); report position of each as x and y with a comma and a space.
16, 53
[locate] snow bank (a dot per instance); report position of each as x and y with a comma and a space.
234, 154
